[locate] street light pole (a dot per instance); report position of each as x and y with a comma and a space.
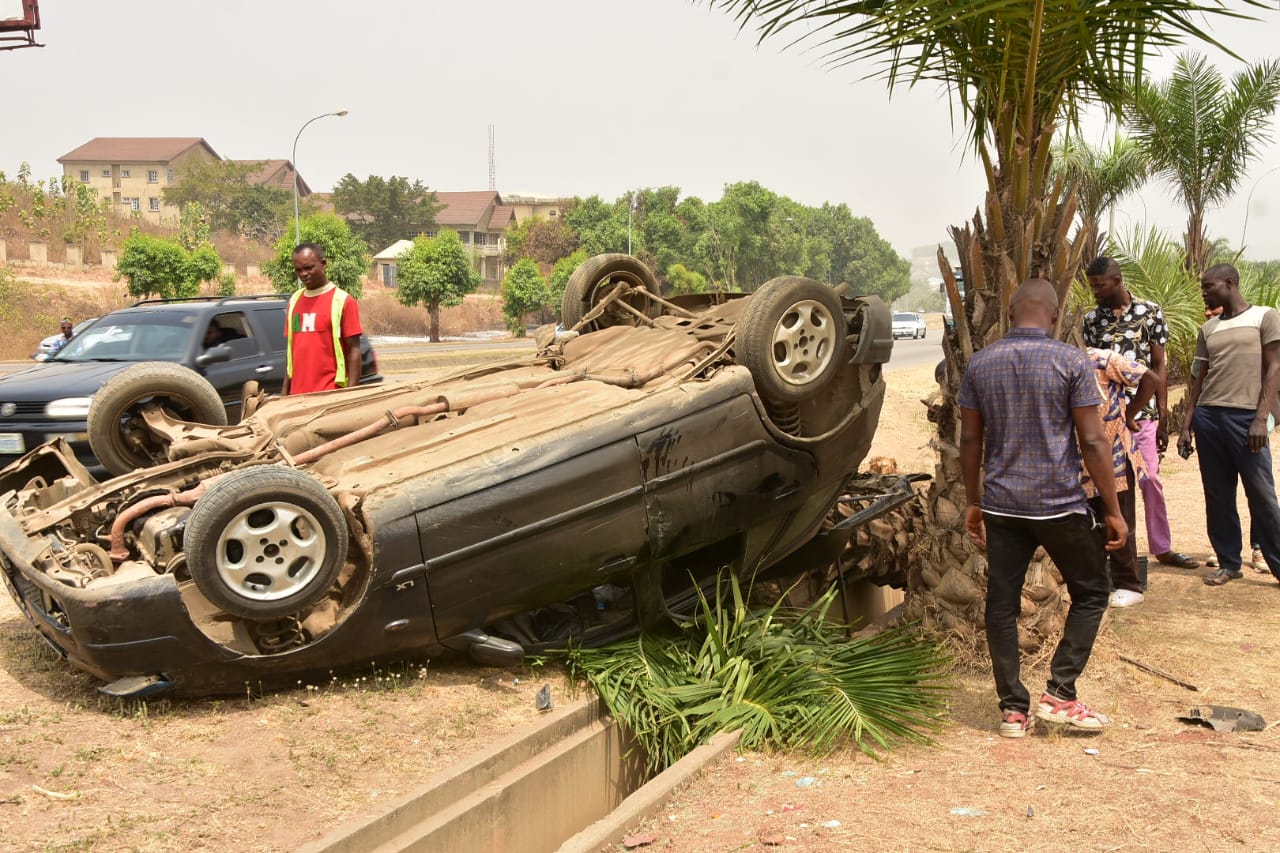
297, 222
631, 209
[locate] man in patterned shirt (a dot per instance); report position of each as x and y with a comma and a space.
1116, 376
1028, 418
1135, 328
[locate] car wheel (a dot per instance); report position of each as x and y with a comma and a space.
788, 337
595, 279
265, 542
117, 433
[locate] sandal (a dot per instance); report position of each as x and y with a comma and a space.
1177, 560
1221, 576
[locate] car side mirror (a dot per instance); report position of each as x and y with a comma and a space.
214, 355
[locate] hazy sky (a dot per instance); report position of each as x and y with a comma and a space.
587, 97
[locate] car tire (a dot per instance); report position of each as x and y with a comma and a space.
120, 439
591, 282
265, 542
789, 336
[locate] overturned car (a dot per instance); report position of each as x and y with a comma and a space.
582, 492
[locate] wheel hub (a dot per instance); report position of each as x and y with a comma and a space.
804, 342
270, 551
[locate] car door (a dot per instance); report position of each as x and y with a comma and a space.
554, 522
251, 358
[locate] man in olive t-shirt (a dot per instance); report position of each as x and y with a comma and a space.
1233, 389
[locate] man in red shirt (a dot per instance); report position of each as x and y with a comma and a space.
322, 329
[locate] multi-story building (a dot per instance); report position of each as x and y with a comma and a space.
133, 171
481, 219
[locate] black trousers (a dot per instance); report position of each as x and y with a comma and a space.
1125, 569
1072, 543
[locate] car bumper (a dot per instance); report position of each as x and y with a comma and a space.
17, 440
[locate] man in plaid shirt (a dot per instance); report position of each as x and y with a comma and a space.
1028, 418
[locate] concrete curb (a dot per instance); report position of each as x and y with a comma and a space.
645, 802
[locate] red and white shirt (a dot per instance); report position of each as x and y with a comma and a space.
315, 364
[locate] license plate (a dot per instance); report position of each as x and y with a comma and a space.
11, 442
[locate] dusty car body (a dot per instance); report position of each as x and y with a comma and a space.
584, 491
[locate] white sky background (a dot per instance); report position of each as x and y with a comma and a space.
587, 97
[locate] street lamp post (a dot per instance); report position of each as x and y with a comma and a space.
631, 209
297, 221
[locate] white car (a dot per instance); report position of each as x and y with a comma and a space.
907, 324
46, 345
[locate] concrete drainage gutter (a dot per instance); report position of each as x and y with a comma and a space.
564, 784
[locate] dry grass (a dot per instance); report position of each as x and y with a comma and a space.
382, 314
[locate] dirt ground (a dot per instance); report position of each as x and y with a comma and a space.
79, 771
1150, 782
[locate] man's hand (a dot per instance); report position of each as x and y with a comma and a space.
976, 527
1117, 532
1133, 426
1257, 435
1162, 432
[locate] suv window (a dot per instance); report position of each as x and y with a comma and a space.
132, 337
908, 317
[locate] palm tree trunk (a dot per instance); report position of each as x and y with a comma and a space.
1020, 234
1197, 243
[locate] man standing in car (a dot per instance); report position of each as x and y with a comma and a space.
322, 329
1136, 329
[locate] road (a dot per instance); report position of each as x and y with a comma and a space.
909, 353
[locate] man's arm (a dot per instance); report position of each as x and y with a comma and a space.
971, 428
1160, 366
351, 350
1147, 386
1267, 399
1096, 451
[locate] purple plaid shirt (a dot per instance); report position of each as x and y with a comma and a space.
1025, 385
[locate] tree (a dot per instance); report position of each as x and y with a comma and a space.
435, 272
543, 240
234, 204
157, 266
1201, 136
1101, 177
1015, 73
560, 273
384, 210
600, 227
857, 254
524, 291
684, 280
348, 257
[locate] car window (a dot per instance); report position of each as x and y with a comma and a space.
132, 337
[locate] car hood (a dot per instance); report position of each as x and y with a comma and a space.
56, 379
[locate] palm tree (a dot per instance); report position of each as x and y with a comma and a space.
1201, 136
1101, 177
1016, 73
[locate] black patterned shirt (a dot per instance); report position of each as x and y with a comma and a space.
1132, 333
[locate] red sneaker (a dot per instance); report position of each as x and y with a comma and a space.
1015, 724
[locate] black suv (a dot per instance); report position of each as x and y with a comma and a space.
53, 399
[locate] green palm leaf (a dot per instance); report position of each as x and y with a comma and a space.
784, 679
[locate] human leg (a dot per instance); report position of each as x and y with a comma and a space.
1159, 539
1126, 573
1069, 541
1216, 439
1264, 511
1009, 549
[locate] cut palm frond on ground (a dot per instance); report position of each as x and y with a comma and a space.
787, 679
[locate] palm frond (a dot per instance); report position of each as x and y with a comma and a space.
785, 679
